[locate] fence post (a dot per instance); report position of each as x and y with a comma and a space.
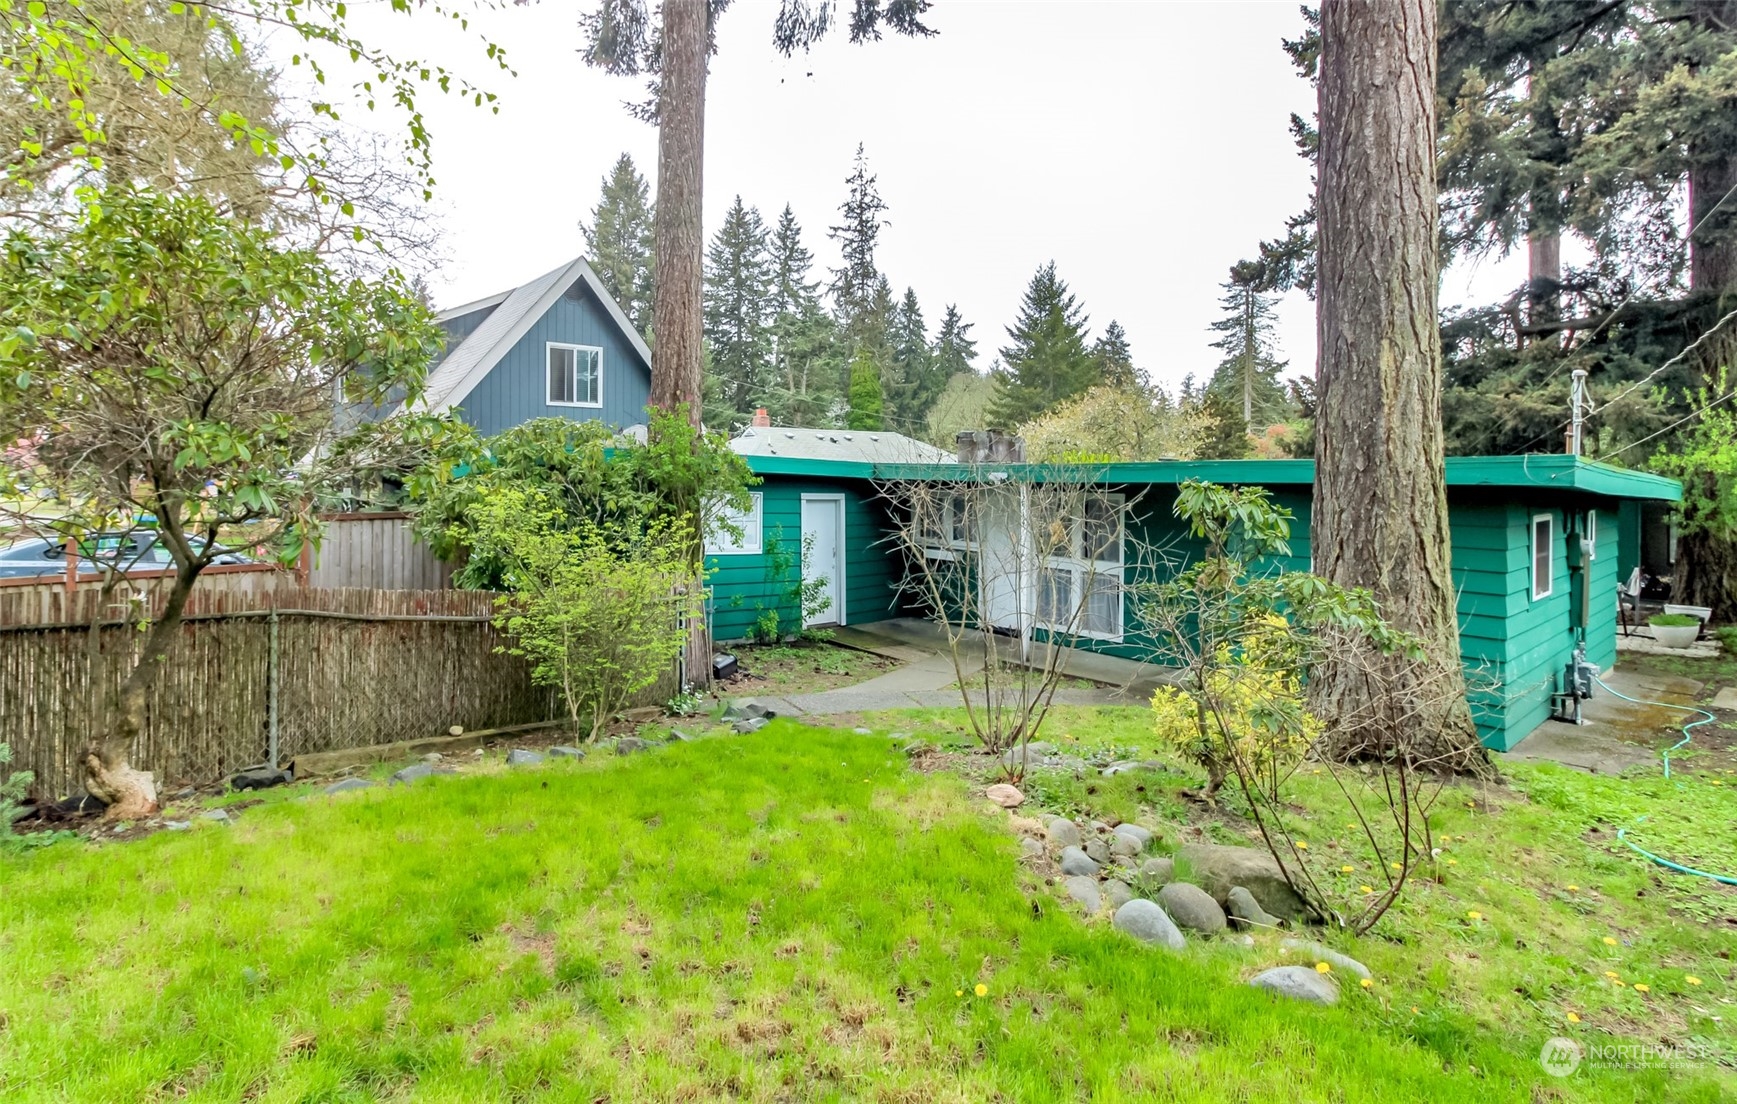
271, 677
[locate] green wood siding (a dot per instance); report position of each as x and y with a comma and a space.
745, 586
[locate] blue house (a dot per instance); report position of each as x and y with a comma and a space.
558, 346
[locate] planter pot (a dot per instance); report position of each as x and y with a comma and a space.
1675, 636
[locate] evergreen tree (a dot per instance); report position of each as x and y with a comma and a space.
919, 378
1248, 377
856, 281
618, 242
1115, 359
806, 360
1223, 433
954, 349
739, 281
1047, 362
866, 398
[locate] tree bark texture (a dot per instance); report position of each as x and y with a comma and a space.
1380, 510
678, 244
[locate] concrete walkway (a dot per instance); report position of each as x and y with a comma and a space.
929, 672
1615, 735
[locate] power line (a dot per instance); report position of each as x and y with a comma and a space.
1687, 417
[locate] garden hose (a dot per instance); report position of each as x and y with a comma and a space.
1622, 833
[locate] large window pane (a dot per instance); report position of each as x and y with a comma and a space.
1055, 596
561, 364
1103, 530
589, 386
1103, 612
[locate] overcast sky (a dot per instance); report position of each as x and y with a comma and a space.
1142, 147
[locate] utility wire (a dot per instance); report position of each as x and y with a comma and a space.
1687, 417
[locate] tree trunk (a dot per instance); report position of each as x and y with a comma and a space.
1380, 510
1544, 281
108, 775
681, 107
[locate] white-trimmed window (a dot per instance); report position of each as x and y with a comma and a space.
1079, 587
1543, 555
948, 524
751, 523
575, 375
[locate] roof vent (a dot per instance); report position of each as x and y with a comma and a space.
847, 437
792, 436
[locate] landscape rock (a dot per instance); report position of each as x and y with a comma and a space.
417, 772
1315, 952
1244, 909
1008, 797
749, 724
1062, 832
263, 779
183, 793
565, 752
1031, 754
523, 757
1218, 869
221, 816
1303, 983
1148, 923
177, 825
1124, 845
455, 730
1029, 847
1098, 850
919, 749
1116, 893
677, 736
1192, 908
746, 709
1075, 861
627, 745
349, 784
1159, 871
433, 757
1085, 891
1126, 765
1139, 835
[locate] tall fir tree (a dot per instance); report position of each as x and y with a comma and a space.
1115, 359
618, 242
1248, 377
856, 281
806, 360
919, 378
739, 282
954, 348
866, 396
1047, 361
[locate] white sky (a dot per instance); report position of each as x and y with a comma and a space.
1143, 147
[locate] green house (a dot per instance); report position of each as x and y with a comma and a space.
1534, 551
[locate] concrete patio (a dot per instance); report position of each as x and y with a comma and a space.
1615, 735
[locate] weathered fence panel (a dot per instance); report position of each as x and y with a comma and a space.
354, 667
375, 550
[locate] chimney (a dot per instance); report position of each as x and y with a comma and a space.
989, 446
760, 417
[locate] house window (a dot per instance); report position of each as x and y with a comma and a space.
1543, 555
1080, 583
575, 375
947, 524
751, 522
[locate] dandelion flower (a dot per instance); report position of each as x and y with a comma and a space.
1323, 968
1618, 982
1692, 980
1366, 889
1346, 869
1574, 889
1642, 987
1396, 866
1303, 845
1610, 941
1367, 984
1573, 1017
1414, 1010
1474, 915
982, 990
958, 992
1453, 862
1611, 974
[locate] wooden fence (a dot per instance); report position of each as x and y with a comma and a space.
374, 550
350, 668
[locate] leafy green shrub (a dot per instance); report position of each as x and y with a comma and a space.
12, 791
600, 618
765, 630
1673, 620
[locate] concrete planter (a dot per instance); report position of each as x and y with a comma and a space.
1675, 636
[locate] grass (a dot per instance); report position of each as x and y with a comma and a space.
792, 915
801, 668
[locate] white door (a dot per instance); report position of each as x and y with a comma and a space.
1002, 582
823, 558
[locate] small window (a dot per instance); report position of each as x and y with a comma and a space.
575, 375
1543, 555
752, 523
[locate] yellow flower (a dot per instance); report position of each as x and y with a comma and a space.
1323, 968
1346, 869
1573, 1017
982, 990
1692, 980
1642, 987
958, 992
1611, 974
1574, 889
1474, 915
1396, 866
1618, 982
1367, 984
1453, 862
1366, 889
1353, 827
1303, 845
1610, 941
1718, 782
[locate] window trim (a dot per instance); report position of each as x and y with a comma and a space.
1086, 571
757, 514
549, 348
1550, 550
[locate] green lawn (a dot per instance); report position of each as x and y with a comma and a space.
792, 915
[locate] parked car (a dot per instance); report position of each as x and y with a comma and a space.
138, 550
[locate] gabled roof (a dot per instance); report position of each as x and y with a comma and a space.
853, 445
515, 312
